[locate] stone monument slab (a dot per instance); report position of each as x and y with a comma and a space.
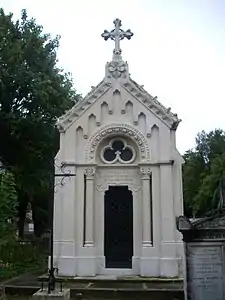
204, 241
205, 276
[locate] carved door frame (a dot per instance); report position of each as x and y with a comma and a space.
117, 176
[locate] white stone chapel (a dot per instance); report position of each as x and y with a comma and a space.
117, 215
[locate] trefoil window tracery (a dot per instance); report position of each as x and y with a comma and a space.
118, 150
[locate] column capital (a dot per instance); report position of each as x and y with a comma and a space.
89, 172
145, 172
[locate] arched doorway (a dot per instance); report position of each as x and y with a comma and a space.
118, 227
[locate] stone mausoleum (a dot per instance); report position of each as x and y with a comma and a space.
117, 214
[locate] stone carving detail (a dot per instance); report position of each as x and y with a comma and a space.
64, 121
104, 186
118, 177
89, 172
114, 130
183, 223
146, 172
152, 103
212, 235
117, 34
214, 223
116, 68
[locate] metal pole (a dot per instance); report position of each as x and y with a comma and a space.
51, 279
62, 175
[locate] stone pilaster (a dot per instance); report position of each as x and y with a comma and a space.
89, 222
146, 205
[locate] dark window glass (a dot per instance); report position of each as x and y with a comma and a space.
126, 154
118, 148
109, 155
118, 145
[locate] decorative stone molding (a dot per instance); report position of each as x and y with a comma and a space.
116, 69
118, 177
89, 172
105, 186
211, 224
165, 114
115, 130
82, 105
145, 172
146, 206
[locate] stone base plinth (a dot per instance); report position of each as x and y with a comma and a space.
54, 295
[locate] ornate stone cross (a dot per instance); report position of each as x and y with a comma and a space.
116, 35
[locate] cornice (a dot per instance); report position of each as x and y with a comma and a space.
119, 74
77, 110
163, 113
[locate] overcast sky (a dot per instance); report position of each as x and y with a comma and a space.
177, 51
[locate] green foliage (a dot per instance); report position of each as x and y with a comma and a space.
204, 167
8, 205
34, 92
19, 257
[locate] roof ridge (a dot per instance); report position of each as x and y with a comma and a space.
69, 117
154, 99
151, 103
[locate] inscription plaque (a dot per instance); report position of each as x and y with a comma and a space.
205, 271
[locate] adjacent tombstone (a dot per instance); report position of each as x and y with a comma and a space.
29, 224
204, 241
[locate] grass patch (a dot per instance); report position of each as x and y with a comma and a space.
18, 257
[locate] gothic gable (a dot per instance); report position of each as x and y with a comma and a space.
117, 78
135, 90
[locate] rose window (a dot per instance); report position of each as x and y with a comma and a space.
118, 151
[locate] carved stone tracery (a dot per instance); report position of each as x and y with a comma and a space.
117, 151
115, 130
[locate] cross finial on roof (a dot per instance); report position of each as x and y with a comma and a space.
117, 34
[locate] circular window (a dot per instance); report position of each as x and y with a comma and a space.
118, 151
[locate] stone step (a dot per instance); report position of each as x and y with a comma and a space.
106, 293
97, 288
125, 293
103, 290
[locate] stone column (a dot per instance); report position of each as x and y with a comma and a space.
89, 224
147, 222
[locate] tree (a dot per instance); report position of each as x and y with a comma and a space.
8, 205
204, 167
34, 92
192, 172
